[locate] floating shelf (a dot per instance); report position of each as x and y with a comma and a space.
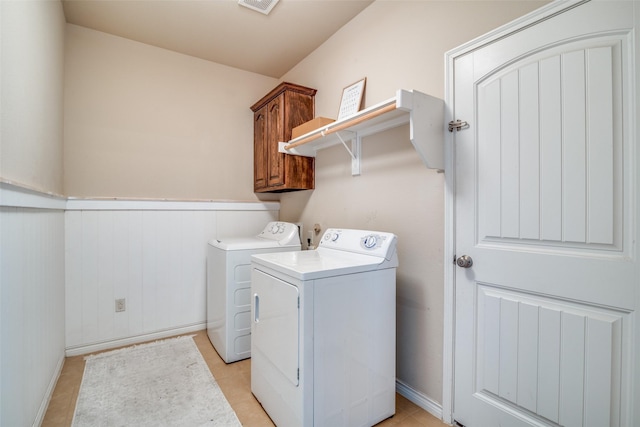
424, 113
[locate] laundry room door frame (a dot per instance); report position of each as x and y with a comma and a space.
541, 14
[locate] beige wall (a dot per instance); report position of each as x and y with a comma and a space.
395, 44
147, 122
31, 103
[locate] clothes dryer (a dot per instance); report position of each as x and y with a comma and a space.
229, 286
324, 331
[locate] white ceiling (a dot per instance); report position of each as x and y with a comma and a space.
221, 31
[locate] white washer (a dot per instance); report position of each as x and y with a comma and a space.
324, 331
229, 286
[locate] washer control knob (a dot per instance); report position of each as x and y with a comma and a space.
369, 241
335, 237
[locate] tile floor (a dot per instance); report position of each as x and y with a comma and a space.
235, 382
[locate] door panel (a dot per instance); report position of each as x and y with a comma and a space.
545, 188
276, 131
274, 332
558, 361
546, 174
259, 149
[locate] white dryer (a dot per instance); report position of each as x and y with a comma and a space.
324, 331
229, 286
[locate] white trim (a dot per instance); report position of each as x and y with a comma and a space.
44, 405
106, 345
429, 405
532, 18
15, 196
19, 196
168, 205
449, 251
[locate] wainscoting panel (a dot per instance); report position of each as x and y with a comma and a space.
31, 306
151, 255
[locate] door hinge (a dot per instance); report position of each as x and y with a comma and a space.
457, 125
298, 374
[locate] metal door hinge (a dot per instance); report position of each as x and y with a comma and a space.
457, 125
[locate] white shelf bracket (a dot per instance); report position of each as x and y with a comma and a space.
354, 152
345, 145
356, 143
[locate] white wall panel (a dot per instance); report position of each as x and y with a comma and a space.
73, 275
31, 311
89, 280
153, 258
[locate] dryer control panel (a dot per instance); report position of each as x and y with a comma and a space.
374, 243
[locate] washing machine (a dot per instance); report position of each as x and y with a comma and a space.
323, 326
229, 286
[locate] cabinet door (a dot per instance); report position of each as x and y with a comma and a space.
260, 149
275, 115
275, 129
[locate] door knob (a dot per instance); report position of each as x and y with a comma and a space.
464, 261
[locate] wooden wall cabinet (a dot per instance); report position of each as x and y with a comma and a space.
274, 116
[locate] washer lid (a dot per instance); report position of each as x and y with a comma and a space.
244, 243
306, 265
276, 234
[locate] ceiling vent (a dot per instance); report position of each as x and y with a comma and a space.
262, 6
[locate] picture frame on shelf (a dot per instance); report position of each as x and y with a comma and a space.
352, 99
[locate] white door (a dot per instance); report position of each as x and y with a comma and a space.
545, 194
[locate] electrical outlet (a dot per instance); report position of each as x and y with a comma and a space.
120, 305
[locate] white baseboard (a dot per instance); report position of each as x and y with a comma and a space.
106, 345
44, 405
429, 405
